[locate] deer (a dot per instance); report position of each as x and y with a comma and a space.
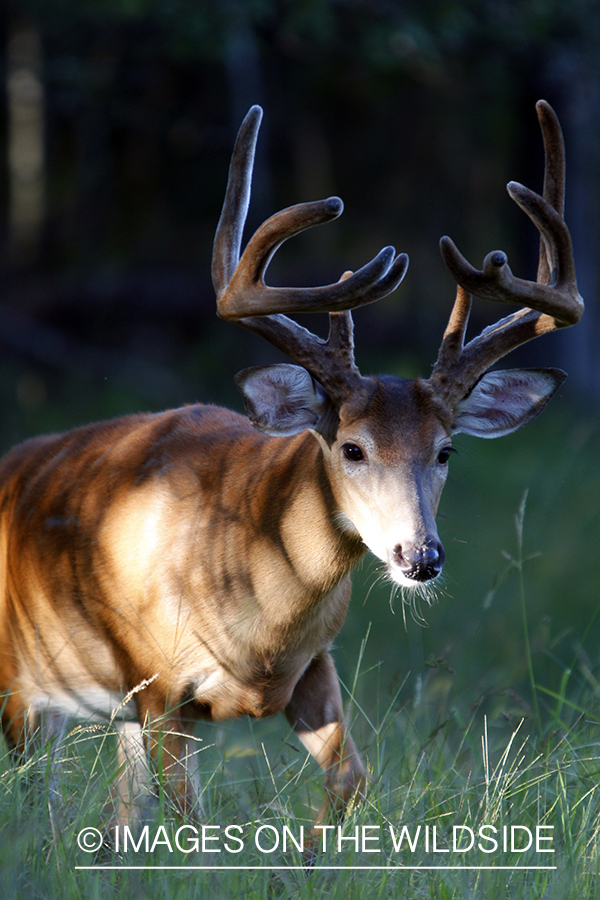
195, 564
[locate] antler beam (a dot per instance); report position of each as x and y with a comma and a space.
243, 296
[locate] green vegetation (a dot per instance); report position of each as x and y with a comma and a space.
490, 716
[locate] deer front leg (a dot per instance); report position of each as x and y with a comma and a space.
315, 713
174, 752
132, 786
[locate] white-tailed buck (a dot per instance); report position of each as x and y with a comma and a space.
207, 555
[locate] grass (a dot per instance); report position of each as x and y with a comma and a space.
425, 775
489, 716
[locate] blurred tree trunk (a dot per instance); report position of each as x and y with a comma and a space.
26, 152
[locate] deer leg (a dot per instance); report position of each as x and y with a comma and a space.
25, 730
132, 784
174, 751
53, 729
175, 754
47, 731
315, 713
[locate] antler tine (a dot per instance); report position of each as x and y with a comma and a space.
248, 295
228, 236
454, 335
554, 177
552, 302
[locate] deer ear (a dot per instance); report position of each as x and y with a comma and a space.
283, 399
502, 402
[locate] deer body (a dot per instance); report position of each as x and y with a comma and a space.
144, 572
199, 566
200, 548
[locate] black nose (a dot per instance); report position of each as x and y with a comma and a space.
420, 563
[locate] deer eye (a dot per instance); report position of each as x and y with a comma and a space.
353, 452
444, 455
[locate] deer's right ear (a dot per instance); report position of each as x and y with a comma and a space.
283, 399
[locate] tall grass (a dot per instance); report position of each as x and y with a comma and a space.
424, 774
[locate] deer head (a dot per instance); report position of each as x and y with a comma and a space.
386, 441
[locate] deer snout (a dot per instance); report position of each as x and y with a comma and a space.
419, 563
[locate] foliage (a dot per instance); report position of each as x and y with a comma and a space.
385, 34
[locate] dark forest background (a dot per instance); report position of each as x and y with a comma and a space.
116, 127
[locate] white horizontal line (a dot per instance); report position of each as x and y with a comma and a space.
328, 868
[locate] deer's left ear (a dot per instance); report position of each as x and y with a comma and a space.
283, 399
502, 402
